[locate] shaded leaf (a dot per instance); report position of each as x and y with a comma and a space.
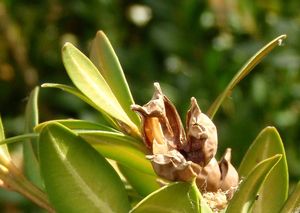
267, 144
143, 183
105, 59
31, 164
246, 195
293, 202
175, 197
124, 149
71, 167
89, 81
243, 72
4, 154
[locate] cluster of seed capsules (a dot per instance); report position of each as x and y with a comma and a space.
179, 154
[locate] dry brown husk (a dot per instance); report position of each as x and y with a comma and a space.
177, 155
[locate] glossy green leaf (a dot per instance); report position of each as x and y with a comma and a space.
74, 91
124, 149
105, 59
267, 144
77, 178
175, 197
89, 81
243, 72
293, 202
109, 142
246, 195
143, 183
31, 164
4, 154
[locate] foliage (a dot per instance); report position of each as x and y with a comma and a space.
192, 48
72, 155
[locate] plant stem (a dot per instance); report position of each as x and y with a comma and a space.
16, 181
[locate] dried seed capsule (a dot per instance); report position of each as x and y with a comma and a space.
201, 136
160, 121
177, 157
208, 179
173, 166
229, 175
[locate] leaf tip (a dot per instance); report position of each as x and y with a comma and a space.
271, 128
67, 46
45, 85
101, 36
100, 33
283, 36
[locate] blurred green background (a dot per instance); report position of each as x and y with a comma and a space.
193, 48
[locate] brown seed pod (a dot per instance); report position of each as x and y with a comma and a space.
208, 179
202, 139
179, 157
160, 121
229, 175
173, 166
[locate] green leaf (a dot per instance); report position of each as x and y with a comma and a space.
175, 197
246, 195
3, 148
77, 178
124, 149
74, 91
31, 164
110, 143
89, 81
19, 138
293, 202
105, 59
243, 72
267, 144
4, 154
143, 183
2, 134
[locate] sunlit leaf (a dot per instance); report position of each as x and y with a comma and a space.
246, 195
89, 81
243, 72
175, 197
109, 142
104, 58
267, 144
124, 149
293, 202
77, 178
143, 183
